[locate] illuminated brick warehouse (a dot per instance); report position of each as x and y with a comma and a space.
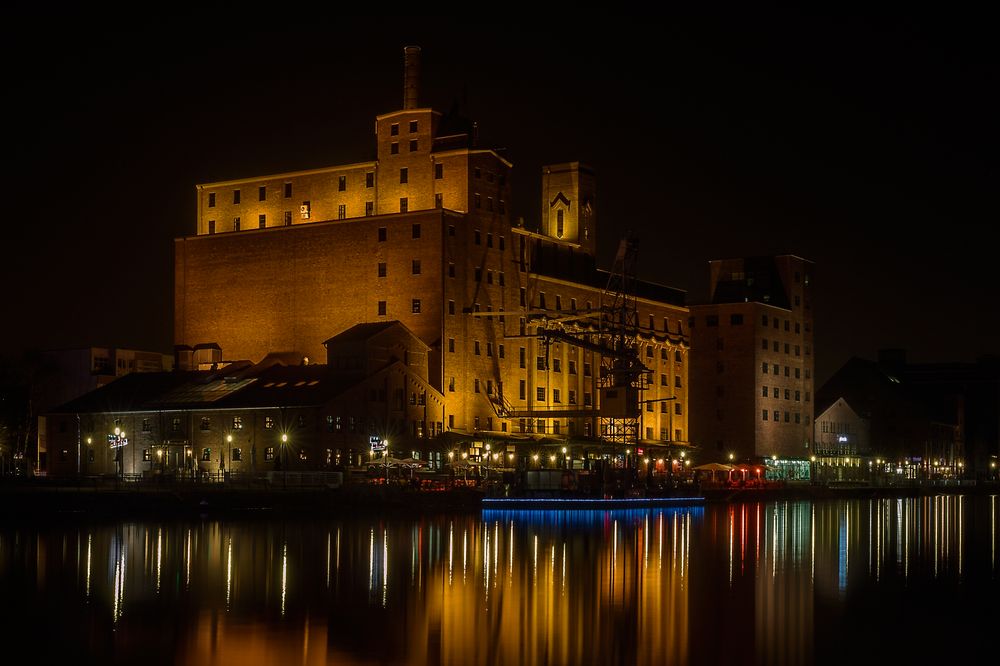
524, 342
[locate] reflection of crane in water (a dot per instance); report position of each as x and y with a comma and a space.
611, 331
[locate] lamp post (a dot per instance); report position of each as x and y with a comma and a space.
229, 455
284, 470
487, 461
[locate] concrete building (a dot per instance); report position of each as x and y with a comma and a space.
752, 360
424, 235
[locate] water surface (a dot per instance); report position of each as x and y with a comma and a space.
910, 580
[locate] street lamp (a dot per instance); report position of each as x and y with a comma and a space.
229, 454
284, 470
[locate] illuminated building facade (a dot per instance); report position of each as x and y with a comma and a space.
251, 418
424, 235
752, 350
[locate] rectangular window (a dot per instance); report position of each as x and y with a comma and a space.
268, 453
211, 227
475, 385
735, 320
677, 381
237, 423
475, 347
413, 126
540, 394
288, 218
268, 422
712, 320
175, 425
206, 423
451, 307
763, 344
147, 455
521, 389
236, 196
383, 234
478, 274
370, 179
521, 357
206, 454
148, 427
415, 267
451, 270
236, 224
262, 193
438, 171
237, 455
382, 268
451, 229
777, 415
556, 397
394, 148
404, 175
451, 344
540, 363
763, 368
394, 129
288, 190
477, 237
415, 306
261, 221
404, 205
211, 199
381, 308
478, 200
500, 350
413, 145
439, 200
451, 385
342, 212
489, 349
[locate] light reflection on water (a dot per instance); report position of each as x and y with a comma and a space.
777, 582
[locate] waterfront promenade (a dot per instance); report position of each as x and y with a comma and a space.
106, 497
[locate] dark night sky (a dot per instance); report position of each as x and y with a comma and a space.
868, 147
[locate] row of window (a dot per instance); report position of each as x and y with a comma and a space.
776, 346
776, 416
775, 370
287, 189
836, 428
776, 392
262, 218
394, 128
776, 322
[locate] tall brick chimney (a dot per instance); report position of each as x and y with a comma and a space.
411, 76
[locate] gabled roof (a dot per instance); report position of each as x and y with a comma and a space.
360, 332
363, 332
